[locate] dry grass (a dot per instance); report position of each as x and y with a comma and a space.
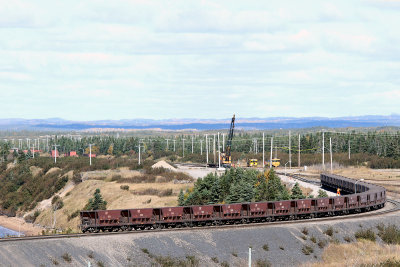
358, 253
115, 197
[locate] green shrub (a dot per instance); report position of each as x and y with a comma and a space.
367, 234
307, 250
322, 243
73, 215
313, 239
215, 259
390, 234
263, 263
265, 247
348, 239
329, 231
304, 231
66, 257
145, 251
124, 187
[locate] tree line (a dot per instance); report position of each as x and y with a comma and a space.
240, 185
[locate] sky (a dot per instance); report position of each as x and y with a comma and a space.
101, 59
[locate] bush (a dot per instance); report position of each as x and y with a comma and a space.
313, 239
367, 234
124, 187
66, 257
215, 259
390, 234
348, 239
54, 261
100, 264
304, 231
73, 215
265, 247
329, 231
224, 264
322, 243
263, 263
307, 250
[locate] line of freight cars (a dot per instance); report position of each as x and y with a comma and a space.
368, 196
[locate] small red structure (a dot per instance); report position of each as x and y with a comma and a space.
55, 154
72, 154
88, 155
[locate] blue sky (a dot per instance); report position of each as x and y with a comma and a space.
100, 59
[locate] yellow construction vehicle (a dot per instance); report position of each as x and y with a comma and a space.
252, 163
276, 163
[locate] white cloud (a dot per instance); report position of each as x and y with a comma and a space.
169, 59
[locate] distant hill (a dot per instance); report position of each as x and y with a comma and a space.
202, 124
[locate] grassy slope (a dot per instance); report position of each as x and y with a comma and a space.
115, 197
361, 253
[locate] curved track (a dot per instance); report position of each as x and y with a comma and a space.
394, 203
325, 219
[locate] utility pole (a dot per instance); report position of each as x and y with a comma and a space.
263, 153
183, 147
90, 154
349, 148
270, 158
192, 144
139, 151
33, 151
206, 149
219, 153
55, 153
215, 160
201, 146
223, 142
167, 143
290, 152
174, 145
299, 152
249, 256
330, 149
323, 150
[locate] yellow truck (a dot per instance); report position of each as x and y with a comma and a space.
252, 163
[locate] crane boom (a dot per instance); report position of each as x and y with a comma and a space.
226, 157
230, 137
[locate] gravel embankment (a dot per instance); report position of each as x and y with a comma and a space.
285, 245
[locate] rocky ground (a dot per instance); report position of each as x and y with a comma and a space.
279, 245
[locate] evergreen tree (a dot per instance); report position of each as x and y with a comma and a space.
322, 193
296, 192
261, 190
284, 194
181, 198
97, 202
215, 192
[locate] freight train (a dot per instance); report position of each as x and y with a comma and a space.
361, 197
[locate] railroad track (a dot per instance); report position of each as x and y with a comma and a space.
230, 226
301, 178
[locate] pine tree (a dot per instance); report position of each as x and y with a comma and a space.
322, 193
215, 192
97, 202
181, 198
284, 194
296, 192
